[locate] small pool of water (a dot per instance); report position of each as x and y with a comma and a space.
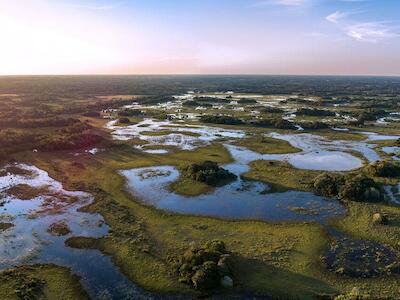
393, 151
30, 242
181, 136
319, 153
241, 199
373, 136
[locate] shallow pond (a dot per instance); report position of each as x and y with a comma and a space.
29, 241
360, 258
319, 153
241, 199
181, 136
393, 151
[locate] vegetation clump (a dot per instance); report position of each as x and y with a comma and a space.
25, 285
208, 172
278, 123
370, 115
384, 168
4, 226
124, 120
128, 112
206, 267
314, 125
59, 229
215, 119
247, 101
76, 136
315, 112
358, 188
193, 103
328, 185
272, 110
26, 192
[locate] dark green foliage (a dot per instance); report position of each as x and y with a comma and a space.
206, 276
370, 115
283, 124
12, 137
124, 120
315, 112
155, 99
272, 110
37, 122
204, 266
208, 172
221, 120
360, 188
93, 114
300, 101
5, 226
210, 100
278, 123
77, 136
384, 168
128, 112
351, 187
328, 185
314, 125
192, 103
247, 101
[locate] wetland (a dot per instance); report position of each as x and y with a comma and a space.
207, 188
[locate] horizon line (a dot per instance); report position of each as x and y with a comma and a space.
197, 74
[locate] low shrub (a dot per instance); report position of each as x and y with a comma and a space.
384, 168
208, 172
205, 266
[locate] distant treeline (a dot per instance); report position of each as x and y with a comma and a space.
87, 86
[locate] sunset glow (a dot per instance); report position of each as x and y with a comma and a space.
200, 37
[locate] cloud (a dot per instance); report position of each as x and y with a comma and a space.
372, 32
93, 7
281, 2
336, 16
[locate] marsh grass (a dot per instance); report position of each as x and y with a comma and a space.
40, 282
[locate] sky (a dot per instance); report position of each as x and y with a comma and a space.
300, 37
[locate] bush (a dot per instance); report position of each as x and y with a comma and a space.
384, 168
220, 120
129, 112
247, 101
203, 267
272, 110
192, 103
124, 121
358, 188
314, 125
275, 123
283, 124
208, 172
328, 185
68, 141
93, 114
315, 112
